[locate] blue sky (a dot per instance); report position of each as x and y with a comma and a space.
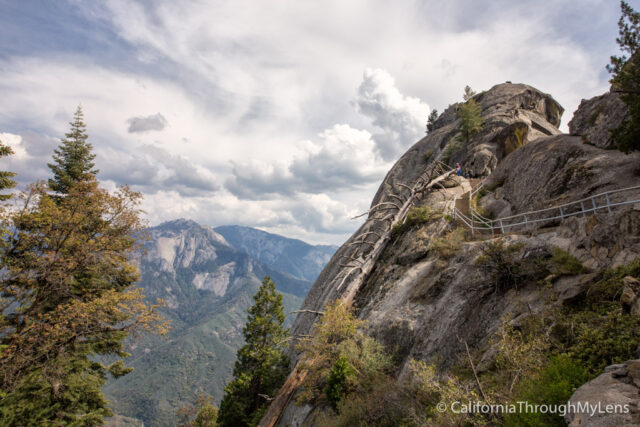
283, 115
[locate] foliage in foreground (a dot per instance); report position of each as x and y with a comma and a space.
65, 300
65, 297
471, 121
541, 359
351, 375
625, 78
73, 159
262, 365
202, 413
5, 177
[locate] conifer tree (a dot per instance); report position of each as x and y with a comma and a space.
64, 300
5, 177
471, 123
73, 159
468, 93
431, 120
625, 78
262, 365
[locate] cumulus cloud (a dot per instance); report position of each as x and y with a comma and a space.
401, 118
154, 169
32, 151
239, 81
342, 158
146, 124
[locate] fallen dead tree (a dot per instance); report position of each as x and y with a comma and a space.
353, 276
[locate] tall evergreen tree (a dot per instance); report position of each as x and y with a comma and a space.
73, 159
625, 80
262, 365
431, 120
5, 177
468, 93
471, 123
65, 299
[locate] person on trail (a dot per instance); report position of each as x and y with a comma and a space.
459, 169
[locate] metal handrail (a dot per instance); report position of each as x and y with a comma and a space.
606, 193
499, 223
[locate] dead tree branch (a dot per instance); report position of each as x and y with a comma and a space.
308, 311
473, 369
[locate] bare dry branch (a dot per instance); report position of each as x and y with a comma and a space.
473, 369
405, 186
397, 197
265, 397
308, 311
349, 273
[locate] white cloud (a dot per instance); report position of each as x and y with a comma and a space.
342, 158
257, 95
401, 118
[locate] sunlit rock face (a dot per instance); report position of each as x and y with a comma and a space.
423, 305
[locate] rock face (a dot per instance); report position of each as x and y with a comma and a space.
619, 388
425, 305
506, 108
595, 118
630, 298
553, 171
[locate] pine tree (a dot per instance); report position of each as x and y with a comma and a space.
625, 78
73, 159
202, 413
64, 300
262, 365
471, 123
5, 177
468, 93
431, 120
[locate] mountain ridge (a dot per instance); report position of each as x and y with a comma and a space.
207, 286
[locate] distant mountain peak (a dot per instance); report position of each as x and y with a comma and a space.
294, 256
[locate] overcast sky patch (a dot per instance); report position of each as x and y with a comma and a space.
293, 111
146, 124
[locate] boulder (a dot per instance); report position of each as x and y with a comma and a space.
630, 298
595, 117
617, 389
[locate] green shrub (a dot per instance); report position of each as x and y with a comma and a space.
598, 340
384, 404
341, 359
563, 263
450, 244
427, 155
608, 288
453, 146
336, 385
416, 216
505, 266
554, 385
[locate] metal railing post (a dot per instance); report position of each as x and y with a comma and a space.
584, 214
594, 205
526, 224
501, 227
561, 213
608, 202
